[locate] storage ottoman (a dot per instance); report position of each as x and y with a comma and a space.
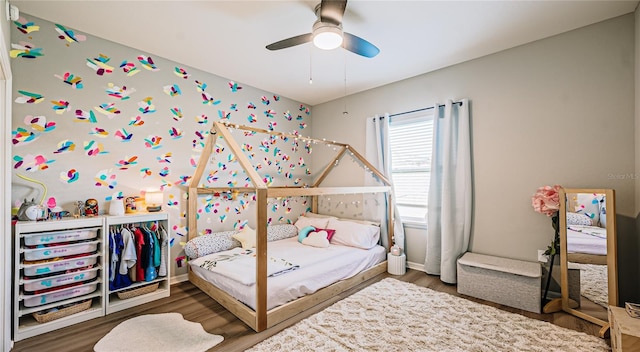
511, 282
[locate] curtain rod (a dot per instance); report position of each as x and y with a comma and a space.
422, 109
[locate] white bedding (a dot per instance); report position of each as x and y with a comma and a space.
318, 267
586, 239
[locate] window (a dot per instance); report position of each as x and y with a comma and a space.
410, 142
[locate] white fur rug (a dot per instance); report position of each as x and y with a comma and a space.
157, 333
594, 283
392, 315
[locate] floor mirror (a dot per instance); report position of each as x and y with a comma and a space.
588, 273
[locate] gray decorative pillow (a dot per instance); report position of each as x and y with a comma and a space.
211, 243
222, 241
578, 219
281, 231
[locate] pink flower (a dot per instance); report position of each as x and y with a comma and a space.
546, 200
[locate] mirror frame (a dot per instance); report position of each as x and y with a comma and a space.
612, 272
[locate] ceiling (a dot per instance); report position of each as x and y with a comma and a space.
228, 38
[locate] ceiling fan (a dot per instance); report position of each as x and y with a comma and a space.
327, 33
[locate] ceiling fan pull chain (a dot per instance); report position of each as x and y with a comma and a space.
310, 65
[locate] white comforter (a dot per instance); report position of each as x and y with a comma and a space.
240, 265
319, 267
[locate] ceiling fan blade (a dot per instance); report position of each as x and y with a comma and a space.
289, 42
359, 46
331, 11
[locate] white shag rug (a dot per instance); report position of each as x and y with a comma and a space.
594, 283
167, 332
393, 315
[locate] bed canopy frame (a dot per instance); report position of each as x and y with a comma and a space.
261, 318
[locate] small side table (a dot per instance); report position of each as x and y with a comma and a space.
625, 331
396, 264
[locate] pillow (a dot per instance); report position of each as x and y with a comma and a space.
589, 205
211, 243
317, 239
281, 231
353, 234
578, 219
247, 237
304, 221
304, 232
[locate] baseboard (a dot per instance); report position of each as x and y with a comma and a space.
415, 266
180, 278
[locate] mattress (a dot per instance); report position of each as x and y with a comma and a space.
318, 268
586, 239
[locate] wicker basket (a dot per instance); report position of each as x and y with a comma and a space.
138, 291
76, 308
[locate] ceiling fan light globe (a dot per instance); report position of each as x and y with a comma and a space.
327, 37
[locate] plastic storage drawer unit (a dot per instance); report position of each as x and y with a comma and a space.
59, 265
60, 251
55, 296
60, 236
60, 280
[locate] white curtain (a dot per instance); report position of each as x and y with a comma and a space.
378, 154
450, 191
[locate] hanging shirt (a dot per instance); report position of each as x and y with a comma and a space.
164, 248
128, 257
140, 252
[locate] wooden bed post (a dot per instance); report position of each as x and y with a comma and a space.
261, 263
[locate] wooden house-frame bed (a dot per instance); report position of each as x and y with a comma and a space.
261, 318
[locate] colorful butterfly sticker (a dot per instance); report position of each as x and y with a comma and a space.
145, 172
105, 178
276, 98
121, 93
252, 118
39, 123
29, 98
212, 176
124, 164
172, 90
271, 125
218, 148
165, 158
70, 176
65, 146
208, 99
304, 108
297, 181
303, 126
136, 121
193, 160
147, 62
129, 68
240, 224
299, 117
268, 180
164, 184
92, 148
177, 113
145, 106
234, 86
175, 133
123, 135
152, 142
117, 195
74, 81
233, 107
25, 27
22, 136
181, 72
265, 100
107, 109
172, 203
32, 163
269, 113
99, 132
224, 115
164, 172
202, 119
25, 50
99, 64
251, 105
287, 115
69, 35
60, 106
200, 86
85, 116
183, 180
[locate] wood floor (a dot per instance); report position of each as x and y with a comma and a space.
198, 307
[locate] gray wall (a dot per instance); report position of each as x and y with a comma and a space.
555, 111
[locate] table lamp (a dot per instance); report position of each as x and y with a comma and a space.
154, 201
